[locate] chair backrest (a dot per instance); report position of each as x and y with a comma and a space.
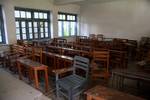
21, 50
92, 37
37, 54
100, 37
81, 63
102, 56
120, 57
29, 51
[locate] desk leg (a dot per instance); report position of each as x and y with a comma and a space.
57, 86
36, 82
46, 80
30, 75
89, 97
19, 70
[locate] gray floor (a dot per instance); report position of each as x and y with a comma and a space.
11, 88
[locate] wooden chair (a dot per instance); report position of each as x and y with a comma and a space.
12, 58
118, 59
29, 52
80, 38
144, 65
100, 65
74, 84
100, 37
92, 36
37, 54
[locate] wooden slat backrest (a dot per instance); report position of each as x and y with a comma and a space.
100, 64
81, 63
102, 56
119, 57
37, 54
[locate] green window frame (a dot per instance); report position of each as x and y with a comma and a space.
32, 24
2, 30
67, 24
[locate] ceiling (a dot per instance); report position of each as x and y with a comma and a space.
80, 2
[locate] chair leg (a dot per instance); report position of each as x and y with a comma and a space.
70, 95
57, 89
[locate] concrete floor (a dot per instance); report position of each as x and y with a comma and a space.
11, 88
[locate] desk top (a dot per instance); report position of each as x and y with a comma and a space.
132, 73
58, 55
69, 49
30, 63
104, 93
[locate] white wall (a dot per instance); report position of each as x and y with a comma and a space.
8, 7
117, 18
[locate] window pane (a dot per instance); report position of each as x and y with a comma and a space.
23, 24
45, 15
18, 37
68, 17
46, 34
41, 24
42, 30
30, 24
30, 30
36, 15
46, 29
23, 30
60, 28
46, 24
0, 38
73, 18
62, 17
42, 35
31, 36
28, 14
23, 14
17, 24
41, 15
24, 36
17, 30
36, 36
35, 24
66, 28
17, 14
73, 26
35, 30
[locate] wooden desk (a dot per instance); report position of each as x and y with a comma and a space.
33, 66
56, 58
103, 93
61, 50
118, 77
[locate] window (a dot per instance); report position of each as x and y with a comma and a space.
32, 24
67, 24
2, 32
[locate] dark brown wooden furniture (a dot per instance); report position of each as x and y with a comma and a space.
12, 56
57, 61
118, 59
104, 93
37, 54
33, 68
119, 75
100, 64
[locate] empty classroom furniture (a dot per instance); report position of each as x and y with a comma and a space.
33, 68
100, 64
74, 84
103, 93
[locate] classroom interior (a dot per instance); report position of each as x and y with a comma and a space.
74, 49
